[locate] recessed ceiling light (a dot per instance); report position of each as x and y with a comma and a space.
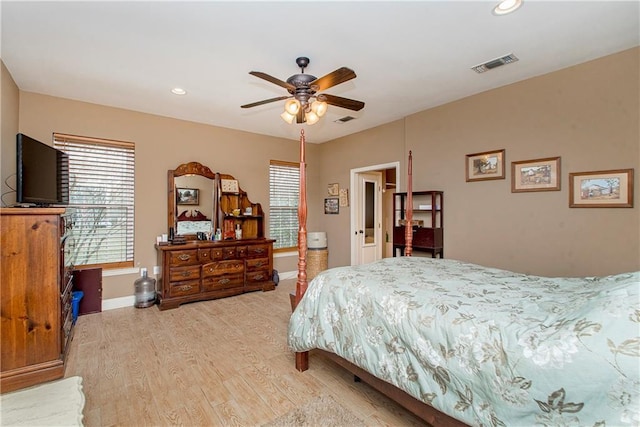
178, 91
507, 6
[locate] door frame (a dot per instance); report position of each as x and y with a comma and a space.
354, 178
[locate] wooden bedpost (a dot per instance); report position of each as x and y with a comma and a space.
302, 358
408, 229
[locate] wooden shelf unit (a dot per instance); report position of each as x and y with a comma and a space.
252, 225
428, 219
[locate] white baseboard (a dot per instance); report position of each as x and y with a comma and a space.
288, 275
113, 303
129, 301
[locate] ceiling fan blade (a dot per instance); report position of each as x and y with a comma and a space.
340, 75
273, 80
338, 101
266, 101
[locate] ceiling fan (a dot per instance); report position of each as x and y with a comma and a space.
303, 88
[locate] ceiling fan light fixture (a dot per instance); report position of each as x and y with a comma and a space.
507, 6
288, 117
311, 118
292, 106
319, 107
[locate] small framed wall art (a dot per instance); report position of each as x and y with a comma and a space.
229, 185
344, 197
535, 175
333, 189
188, 196
601, 189
485, 166
331, 205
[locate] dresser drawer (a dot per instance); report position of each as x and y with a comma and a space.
241, 252
254, 264
224, 281
258, 276
204, 255
223, 267
187, 257
178, 274
216, 254
229, 253
188, 287
257, 251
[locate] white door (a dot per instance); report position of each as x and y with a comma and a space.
369, 217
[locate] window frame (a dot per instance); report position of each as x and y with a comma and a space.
74, 146
292, 166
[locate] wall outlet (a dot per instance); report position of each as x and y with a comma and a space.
156, 269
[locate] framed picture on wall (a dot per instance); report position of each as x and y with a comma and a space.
535, 175
331, 205
344, 197
332, 189
485, 166
188, 196
601, 189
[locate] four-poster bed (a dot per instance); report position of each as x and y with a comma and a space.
421, 409
457, 343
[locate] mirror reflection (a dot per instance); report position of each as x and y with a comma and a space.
191, 203
194, 204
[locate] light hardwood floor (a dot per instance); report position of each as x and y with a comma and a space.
214, 363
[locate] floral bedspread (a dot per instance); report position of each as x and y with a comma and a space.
487, 346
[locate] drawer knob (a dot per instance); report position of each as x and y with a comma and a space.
224, 281
184, 257
259, 264
185, 274
259, 277
185, 287
259, 250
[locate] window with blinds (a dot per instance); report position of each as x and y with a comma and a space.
284, 191
101, 194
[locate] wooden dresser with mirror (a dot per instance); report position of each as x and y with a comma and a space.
197, 268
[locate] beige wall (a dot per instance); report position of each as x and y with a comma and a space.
380, 145
161, 144
10, 104
587, 114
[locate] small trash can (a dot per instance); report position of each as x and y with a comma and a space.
317, 254
76, 296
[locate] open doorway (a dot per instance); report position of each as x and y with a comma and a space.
371, 215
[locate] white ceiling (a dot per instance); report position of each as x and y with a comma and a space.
409, 56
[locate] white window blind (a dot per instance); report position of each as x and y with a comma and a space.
101, 194
284, 191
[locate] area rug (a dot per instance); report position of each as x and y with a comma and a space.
56, 403
321, 411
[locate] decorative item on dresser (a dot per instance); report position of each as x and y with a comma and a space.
239, 260
37, 323
427, 221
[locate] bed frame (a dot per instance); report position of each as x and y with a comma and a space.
419, 408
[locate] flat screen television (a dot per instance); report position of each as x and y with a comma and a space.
42, 173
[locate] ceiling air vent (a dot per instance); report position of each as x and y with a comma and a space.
489, 65
344, 119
